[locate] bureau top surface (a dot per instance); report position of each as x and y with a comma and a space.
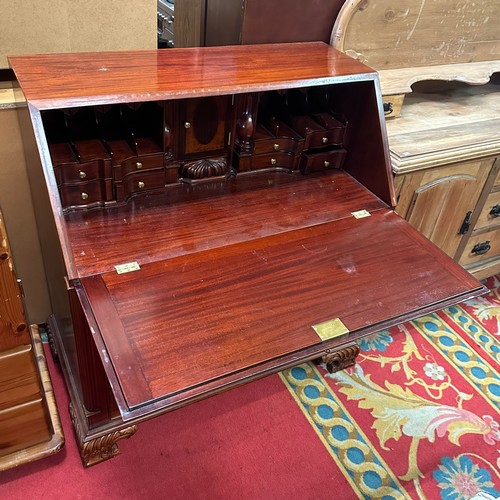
74, 79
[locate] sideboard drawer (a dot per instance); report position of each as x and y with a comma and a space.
481, 247
490, 214
18, 379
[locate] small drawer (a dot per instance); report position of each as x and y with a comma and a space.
83, 172
276, 144
270, 160
18, 377
139, 182
283, 139
86, 193
315, 135
23, 426
317, 162
137, 164
481, 247
490, 215
336, 125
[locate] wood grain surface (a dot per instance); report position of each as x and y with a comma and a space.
187, 219
216, 313
56, 80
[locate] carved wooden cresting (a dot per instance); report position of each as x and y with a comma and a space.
207, 222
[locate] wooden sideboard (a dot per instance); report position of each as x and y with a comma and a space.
222, 213
441, 100
29, 422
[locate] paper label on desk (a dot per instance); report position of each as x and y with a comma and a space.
360, 214
127, 268
330, 329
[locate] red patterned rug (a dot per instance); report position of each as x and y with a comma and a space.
417, 418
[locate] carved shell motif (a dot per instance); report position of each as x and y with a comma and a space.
203, 168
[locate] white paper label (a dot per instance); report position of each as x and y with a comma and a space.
127, 268
360, 214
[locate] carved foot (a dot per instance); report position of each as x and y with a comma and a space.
339, 360
102, 448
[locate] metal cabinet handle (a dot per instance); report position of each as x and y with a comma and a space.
481, 248
495, 211
465, 224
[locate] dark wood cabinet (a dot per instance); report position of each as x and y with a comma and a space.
249, 226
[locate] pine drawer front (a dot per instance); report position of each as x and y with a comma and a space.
23, 426
481, 247
490, 215
18, 377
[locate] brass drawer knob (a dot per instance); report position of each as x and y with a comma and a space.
276, 147
84, 196
82, 174
140, 184
324, 140
326, 163
138, 165
273, 161
187, 125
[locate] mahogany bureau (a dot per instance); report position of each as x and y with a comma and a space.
222, 213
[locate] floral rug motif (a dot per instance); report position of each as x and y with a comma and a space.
418, 416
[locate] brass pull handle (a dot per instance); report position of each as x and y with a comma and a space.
187, 125
481, 248
326, 163
140, 184
138, 165
324, 140
84, 196
82, 174
273, 161
276, 147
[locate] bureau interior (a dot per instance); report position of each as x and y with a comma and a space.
105, 155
